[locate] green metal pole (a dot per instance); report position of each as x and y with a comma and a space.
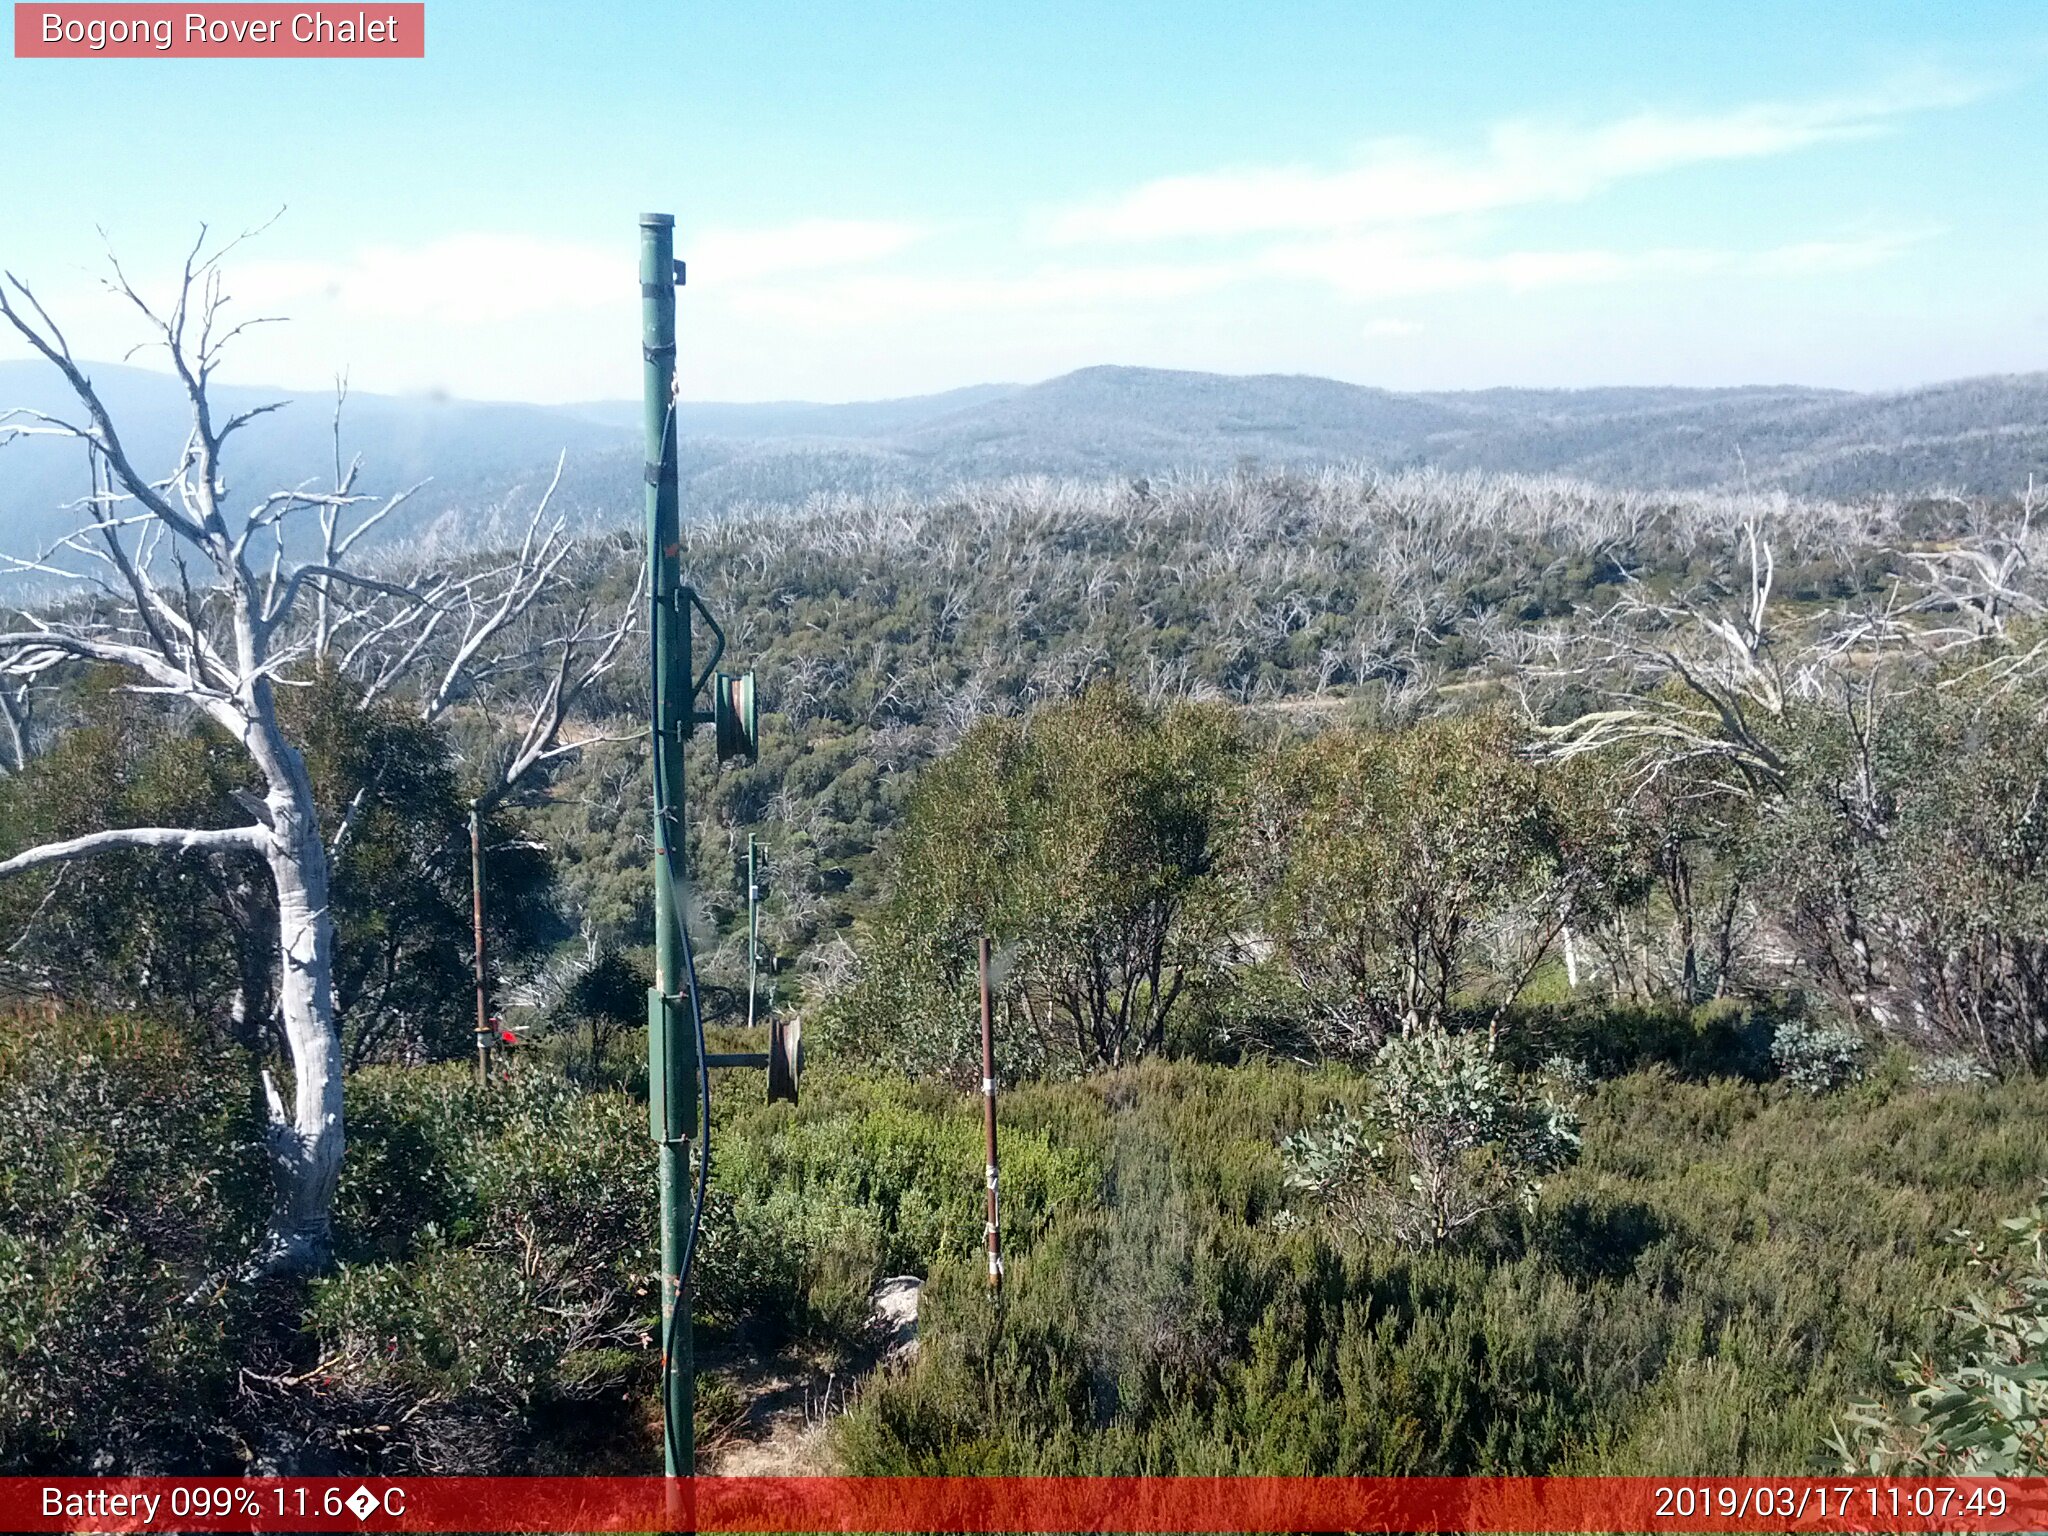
671, 1062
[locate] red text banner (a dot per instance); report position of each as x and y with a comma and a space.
998, 1504
230, 31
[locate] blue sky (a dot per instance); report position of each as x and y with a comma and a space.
892, 198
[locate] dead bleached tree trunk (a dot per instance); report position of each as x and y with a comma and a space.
198, 598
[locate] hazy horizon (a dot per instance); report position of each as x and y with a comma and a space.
431, 395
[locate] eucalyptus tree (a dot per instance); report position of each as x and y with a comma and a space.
1404, 877
204, 599
1084, 839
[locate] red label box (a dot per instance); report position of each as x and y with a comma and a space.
1809, 1506
368, 29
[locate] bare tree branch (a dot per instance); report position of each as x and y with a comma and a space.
541, 743
169, 839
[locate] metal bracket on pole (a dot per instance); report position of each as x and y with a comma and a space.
671, 1069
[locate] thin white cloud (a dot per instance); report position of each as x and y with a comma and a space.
810, 245
1376, 267
481, 277
854, 298
1352, 268
1521, 163
466, 277
1808, 256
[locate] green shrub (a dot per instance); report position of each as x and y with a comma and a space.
870, 1176
409, 1176
1724, 1038
1086, 837
1982, 1411
506, 1246
1910, 863
130, 1192
1816, 1058
1405, 875
1722, 1266
1951, 1071
1450, 1137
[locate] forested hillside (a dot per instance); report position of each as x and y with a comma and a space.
1493, 975
471, 460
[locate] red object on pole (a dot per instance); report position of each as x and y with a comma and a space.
988, 1115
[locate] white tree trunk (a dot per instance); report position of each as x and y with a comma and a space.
304, 1143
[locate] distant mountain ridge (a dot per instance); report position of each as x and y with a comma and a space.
485, 461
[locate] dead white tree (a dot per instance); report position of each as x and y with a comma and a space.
488, 641
1695, 682
1716, 702
1985, 592
1692, 684
1697, 694
199, 597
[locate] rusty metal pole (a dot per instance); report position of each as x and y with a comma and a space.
988, 1116
483, 1000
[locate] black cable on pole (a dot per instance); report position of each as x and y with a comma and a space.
687, 1265
671, 833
